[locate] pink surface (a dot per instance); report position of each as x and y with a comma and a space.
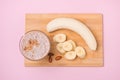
12, 22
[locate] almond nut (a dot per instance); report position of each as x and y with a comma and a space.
58, 58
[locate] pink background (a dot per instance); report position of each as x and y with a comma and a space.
12, 23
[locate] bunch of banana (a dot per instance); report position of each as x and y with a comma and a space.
68, 48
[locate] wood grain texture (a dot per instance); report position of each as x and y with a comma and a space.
93, 22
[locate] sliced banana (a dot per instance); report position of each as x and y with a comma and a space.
71, 55
59, 38
80, 51
67, 46
73, 43
60, 48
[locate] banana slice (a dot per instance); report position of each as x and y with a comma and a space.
60, 48
80, 51
76, 26
73, 43
59, 38
71, 55
67, 46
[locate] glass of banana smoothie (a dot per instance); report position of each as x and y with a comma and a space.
34, 45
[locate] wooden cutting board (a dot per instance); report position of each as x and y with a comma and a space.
93, 22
